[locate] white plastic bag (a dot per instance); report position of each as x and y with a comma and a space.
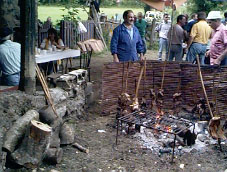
81, 28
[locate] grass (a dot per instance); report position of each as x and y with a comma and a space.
55, 12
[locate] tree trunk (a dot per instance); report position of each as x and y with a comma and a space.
31, 151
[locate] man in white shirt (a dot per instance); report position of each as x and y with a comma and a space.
10, 58
163, 30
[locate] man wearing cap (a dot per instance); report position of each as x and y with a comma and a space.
199, 36
218, 45
10, 58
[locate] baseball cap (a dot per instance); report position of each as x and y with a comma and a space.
5, 31
214, 15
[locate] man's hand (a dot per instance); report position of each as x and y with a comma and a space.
217, 61
115, 58
141, 56
207, 53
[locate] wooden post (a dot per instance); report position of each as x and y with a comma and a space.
28, 26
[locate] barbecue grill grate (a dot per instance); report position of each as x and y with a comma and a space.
164, 123
150, 119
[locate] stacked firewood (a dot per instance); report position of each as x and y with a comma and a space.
37, 136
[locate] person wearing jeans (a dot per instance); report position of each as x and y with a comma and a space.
197, 49
176, 51
199, 36
163, 30
178, 37
163, 44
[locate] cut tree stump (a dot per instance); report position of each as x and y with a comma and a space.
31, 151
53, 155
18, 130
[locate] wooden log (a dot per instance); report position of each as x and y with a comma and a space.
53, 155
54, 138
47, 115
67, 134
31, 151
81, 148
18, 130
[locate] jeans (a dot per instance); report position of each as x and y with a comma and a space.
176, 51
196, 49
10, 80
163, 44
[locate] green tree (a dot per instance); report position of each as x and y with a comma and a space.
195, 6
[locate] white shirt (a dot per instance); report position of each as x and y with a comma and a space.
163, 30
10, 57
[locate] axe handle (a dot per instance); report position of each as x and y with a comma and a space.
204, 90
138, 83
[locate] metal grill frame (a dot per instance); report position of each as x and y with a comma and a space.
165, 121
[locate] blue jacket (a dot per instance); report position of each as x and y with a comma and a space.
122, 45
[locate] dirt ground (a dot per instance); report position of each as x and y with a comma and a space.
128, 156
97, 132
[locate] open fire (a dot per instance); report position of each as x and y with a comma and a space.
160, 123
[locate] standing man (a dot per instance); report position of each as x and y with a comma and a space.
191, 22
10, 58
141, 25
178, 37
218, 44
199, 36
163, 30
126, 42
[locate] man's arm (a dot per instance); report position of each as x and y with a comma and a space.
190, 40
113, 45
221, 57
192, 36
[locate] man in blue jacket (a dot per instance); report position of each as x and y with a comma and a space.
126, 42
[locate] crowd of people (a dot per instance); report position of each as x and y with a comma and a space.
202, 36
